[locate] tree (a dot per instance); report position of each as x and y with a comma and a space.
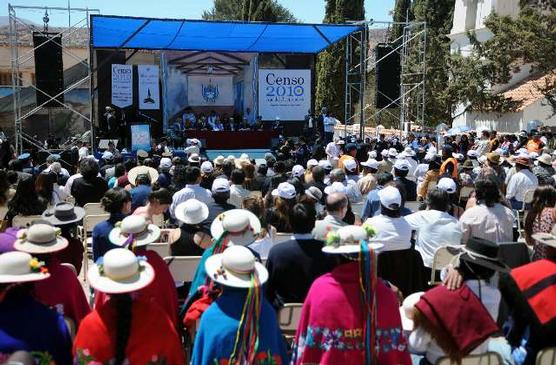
530, 39
249, 10
330, 63
402, 13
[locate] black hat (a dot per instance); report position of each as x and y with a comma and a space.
480, 252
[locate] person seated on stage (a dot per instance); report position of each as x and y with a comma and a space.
244, 125
259, 123
189, 115
229, 124
218, 126
211, 119
202, 123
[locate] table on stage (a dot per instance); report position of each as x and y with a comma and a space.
228, 140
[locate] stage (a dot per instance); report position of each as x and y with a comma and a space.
228, 140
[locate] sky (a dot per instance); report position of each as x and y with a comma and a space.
308, 11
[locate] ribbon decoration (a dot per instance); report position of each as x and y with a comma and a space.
367, 284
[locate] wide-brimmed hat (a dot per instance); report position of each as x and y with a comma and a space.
346, 240
493, 157
206, 167
408, 151
546, 159
20, 267
285, 190
219, 160
192, 211
407, 310
135, 230
235, 267
142, 154
63, 213
480, 252
522, 160
548, 239
468, 164
314, 192
142, 170
39, 239
194, 158
120, 271
242, 226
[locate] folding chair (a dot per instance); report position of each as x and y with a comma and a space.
442, 257
89, 222
24, 221
281, 237
158, 220
288, 319
161, 248
546, 356
182, 268
488, 358
93, 209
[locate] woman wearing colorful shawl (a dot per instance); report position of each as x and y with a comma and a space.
25, 323
134, 233
128, 328
350, 316
62, 290
240, 327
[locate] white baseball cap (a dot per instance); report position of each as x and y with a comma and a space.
165, 163
107, 155
370, 163
312, 163
390, 197
408, 151
392, 152
325, 164
372, 154
206, 167
298, 171
447, 184
401, 165
220, 185
284, 190
472, 153
384, 153
350, 165
336, 187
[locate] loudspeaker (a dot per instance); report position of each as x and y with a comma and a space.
49, 67
387, 76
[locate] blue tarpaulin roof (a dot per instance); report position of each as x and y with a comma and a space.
199, 35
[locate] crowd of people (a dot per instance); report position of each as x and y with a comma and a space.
349, 228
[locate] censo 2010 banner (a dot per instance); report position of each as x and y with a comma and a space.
284, 93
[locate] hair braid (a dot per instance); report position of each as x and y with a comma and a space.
123, 327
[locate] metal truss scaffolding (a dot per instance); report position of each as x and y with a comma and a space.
16, 23
360, 61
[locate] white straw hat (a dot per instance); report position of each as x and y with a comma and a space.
407, 310
134, 229
347, 239
234, 267
241, 225
408, 151
20, 267
192, 211
142, 170
120, 271
40, 238
219, 160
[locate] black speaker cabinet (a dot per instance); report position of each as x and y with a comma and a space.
49, 68
387, 76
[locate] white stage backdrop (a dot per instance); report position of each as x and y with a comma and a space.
122, 85
149, 95
284, 93
210, 90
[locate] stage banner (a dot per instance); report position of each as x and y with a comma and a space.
140, 137
210, 90
149, 95
285, 94
122, 85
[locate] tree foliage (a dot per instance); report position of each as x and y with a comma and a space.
402, 13
330, 85
249, 10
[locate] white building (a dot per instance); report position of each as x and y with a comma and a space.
470, 15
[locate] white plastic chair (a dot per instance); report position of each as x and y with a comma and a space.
182, 268
89, 222
546, 356
158, 220
24, 221
161, 248
488, 358
288, 318
442, 257
93, 209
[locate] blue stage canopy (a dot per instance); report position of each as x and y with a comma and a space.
198, 35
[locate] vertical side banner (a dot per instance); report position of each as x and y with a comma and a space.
149, 95
122, 85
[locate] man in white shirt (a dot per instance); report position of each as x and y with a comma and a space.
237, 191
409, 157
522, 181
191, 190
329, 123
434, 226
333, 151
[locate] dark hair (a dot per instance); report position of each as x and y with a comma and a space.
192, 173
221, 197
262, 169
123, 306
162, 196
15, 165
280, 167
114, 199
303, 218
119, 170
400, 173
237, 177
149, 162
4, 187
255, 204
88, 168
44, 186
544, 197
318, 174
487, 192
227, 168
249, 171
392, 213
26, 200
470, 271
334, 206
142, 179
384, 178
129, 164
437, 199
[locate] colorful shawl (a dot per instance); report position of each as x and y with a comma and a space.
332, 325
